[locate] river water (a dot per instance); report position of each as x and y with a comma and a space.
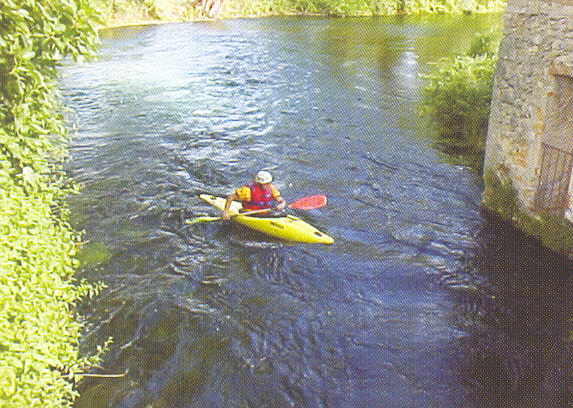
422, 301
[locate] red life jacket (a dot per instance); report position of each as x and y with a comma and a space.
261, 197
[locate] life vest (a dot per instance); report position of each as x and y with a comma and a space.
261, 197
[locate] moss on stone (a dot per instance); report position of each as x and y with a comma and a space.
553, 232
500, 196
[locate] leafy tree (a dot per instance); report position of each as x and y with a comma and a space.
34, 37
38, 332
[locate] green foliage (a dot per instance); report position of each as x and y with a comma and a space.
387, 7
500, 196
33, 38
456, 102
484, 44
555, 233
38, 332
133, 11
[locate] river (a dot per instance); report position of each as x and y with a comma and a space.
422, 301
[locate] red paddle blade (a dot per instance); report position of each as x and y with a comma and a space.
309, 203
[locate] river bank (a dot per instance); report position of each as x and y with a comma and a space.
127, 13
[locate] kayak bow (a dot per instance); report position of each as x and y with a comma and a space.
288, 228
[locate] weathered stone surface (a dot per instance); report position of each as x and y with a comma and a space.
536, 50
562, 66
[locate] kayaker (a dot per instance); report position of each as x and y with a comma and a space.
258, 195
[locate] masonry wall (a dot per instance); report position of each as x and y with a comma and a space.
535, 64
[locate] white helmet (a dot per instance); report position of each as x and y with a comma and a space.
263, 177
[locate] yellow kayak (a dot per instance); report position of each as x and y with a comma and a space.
288, 228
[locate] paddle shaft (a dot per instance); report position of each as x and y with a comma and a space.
305, 203
298, 205
207, 219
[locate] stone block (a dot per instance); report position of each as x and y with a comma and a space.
530, 135
501, 68
562, 66
507, 95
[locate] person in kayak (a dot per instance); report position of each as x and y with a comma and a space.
258, 195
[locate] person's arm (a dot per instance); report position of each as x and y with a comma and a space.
225, 215
280, 201
242, 194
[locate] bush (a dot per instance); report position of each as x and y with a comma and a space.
456, 103
33, 39
38, 333
484, 44
391, 7
457, 100
134, 11
38, 330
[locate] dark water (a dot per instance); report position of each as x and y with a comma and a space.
422, 301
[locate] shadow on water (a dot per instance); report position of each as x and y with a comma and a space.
420, 302
518, 352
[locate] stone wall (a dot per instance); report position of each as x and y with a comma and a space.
537, 48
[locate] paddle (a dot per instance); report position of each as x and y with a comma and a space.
309, 203
305, 203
